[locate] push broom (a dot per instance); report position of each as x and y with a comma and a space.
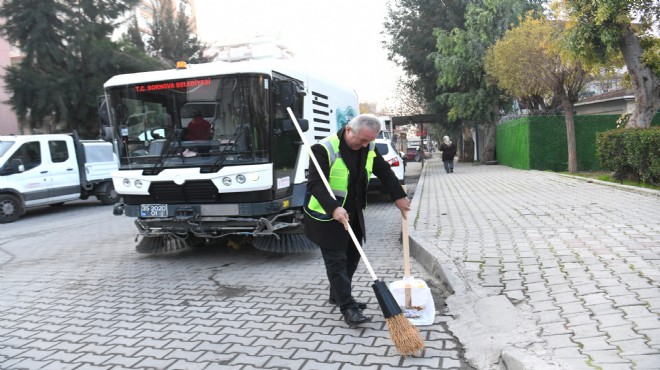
405, 336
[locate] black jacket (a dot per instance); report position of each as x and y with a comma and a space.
356, 198
448, 151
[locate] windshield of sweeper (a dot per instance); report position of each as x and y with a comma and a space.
206, 122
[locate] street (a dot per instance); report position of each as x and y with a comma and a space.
76, 295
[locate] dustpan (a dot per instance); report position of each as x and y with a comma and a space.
420, 310
413, 295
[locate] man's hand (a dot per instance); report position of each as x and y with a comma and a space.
340, 215
403, 204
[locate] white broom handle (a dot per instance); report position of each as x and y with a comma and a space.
327, 186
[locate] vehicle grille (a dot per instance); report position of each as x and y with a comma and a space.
201, 191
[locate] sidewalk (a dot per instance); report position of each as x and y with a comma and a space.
547, 271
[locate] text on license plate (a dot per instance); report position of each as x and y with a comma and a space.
153, 210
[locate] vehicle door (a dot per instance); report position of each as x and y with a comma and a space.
32, 180
63, 171
286, 140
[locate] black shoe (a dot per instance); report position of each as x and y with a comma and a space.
361, 305
355, 317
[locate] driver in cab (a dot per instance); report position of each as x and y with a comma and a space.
199, 128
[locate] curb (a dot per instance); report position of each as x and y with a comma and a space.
635, 189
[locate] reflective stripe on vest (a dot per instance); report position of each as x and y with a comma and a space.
338, 179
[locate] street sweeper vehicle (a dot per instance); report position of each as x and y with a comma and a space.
39, 170
208, 151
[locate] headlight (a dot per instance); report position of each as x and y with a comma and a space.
240, 179
226, 181
127, 183
138, 184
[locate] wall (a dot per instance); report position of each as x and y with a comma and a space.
613, 102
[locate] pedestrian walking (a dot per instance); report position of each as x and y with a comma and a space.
347, 159
448, 150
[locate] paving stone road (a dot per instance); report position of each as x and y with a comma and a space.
75, 295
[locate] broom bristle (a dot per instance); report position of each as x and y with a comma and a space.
405, 336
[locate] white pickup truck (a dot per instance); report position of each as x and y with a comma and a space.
37, 170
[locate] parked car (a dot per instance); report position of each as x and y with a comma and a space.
391, 156
415, 154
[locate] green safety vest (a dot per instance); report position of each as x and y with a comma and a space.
339, 175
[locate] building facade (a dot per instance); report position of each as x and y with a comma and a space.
8, 121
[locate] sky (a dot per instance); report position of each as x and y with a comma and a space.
342, 38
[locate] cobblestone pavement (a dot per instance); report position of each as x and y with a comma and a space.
75, 295
547, 270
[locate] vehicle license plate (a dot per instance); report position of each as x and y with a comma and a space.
153, 210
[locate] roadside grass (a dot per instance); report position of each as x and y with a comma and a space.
607, 176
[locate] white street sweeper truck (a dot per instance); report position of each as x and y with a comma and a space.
244, 175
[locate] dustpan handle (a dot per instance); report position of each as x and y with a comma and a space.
327, 186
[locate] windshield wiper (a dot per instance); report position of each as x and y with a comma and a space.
218, 164
168, 150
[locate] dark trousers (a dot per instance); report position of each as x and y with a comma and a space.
449, 165
341, 261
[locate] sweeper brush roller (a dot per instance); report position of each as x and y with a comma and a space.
287, 243
162, 244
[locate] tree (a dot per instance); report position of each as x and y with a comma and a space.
68, 56
410, 26
368, 107
529, 61
134, 35
598, 30
459, 60
411, 42
172, 39
408, 99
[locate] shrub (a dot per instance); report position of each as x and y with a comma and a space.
631, 153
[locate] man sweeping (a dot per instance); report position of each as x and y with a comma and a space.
347, 160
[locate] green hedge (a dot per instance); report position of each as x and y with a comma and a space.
631, 153
512, 144
539, 142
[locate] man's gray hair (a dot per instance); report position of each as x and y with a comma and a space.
369, 121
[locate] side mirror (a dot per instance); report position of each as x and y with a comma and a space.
290, 94
287, 94
107, 133
12, 167
288, 126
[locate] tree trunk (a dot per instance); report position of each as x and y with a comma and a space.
570, 131
645, 83
468, 144
488, 150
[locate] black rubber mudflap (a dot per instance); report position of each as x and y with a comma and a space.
161, 244
288, 243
